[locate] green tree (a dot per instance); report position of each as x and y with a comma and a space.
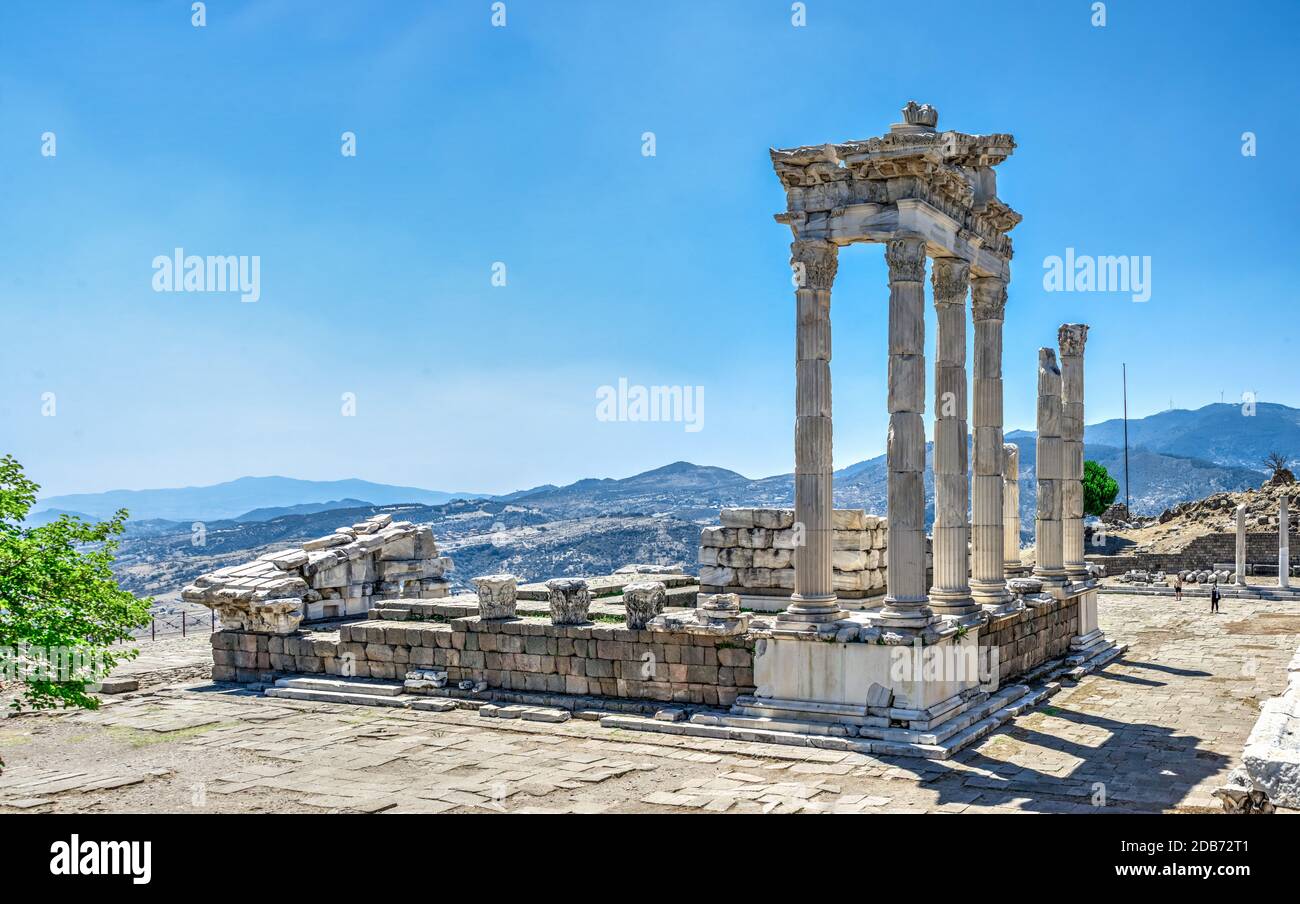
60, 605
1099, 488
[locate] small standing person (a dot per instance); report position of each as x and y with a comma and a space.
1214, 598
1178, 588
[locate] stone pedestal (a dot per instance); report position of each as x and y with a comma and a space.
1049, 566
570, 600
988, 570
496, 595
813, 602
643, 600
906, 605
1240, 576
950, 594
1011, 566
1283, 543
1071, 338
913, 677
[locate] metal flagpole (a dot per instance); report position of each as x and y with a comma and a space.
1126, 497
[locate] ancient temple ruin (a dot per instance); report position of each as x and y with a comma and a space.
960, 639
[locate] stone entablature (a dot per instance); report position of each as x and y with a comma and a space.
752, 553
337, 575
913, 179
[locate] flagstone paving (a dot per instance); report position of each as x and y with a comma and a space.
1154, 731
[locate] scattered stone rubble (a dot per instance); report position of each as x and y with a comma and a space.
752, 552
340, 574
1203, 576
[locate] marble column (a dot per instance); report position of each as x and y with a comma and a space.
813, 602
1011, 510
1071, 338
1241, 545
1049, 563
950, 593
988, 570
906, 604
1283, 543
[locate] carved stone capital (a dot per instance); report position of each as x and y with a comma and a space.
1010, 459
814, 262
1072, 337
950, 277
1047, 364
906, 259
988, 298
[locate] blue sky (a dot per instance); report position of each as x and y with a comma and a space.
523, 145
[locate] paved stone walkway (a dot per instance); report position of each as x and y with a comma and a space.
1154, 731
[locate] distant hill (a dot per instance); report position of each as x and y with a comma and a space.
305, 508
1220, 433
238, 497
1174, 456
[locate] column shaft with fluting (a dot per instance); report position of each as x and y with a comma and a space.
1049, 564
814, 263
988, 582
906, 604
1071, 338
1010, 509
950, 593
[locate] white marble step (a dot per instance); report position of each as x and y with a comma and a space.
293, 693
425, 704
343, 686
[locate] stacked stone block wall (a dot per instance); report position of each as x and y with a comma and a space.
752, 552
1027, 639
517, 655
1204, 552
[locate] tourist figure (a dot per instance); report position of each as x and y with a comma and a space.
1214, 598
1178, 588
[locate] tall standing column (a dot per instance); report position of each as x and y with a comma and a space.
988, 571
1071, 338
1010, 509
950, 593
813, 601
906, 605
1283, 543
1241, 544
1049, 564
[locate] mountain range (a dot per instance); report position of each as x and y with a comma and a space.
235, 499
595, 525
1174, 456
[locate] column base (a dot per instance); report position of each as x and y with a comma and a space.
997, 610
808, 613
1052, 578
1076, 573
990, 594
906, 612
952, 603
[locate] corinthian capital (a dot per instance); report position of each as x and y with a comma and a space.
814, 262
950, 277
906, 259
1072, 337
1010, 459
988, 298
